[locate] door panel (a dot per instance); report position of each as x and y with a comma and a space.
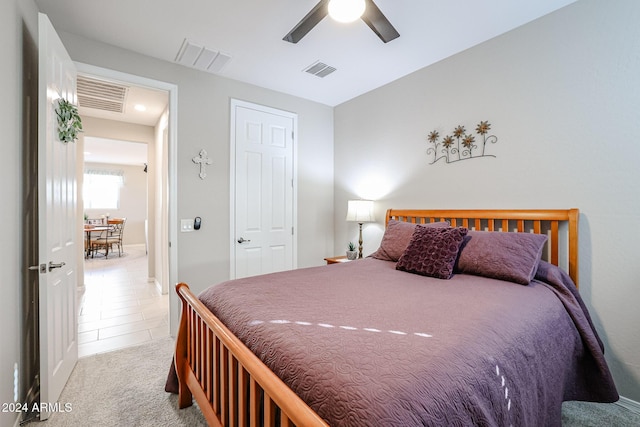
278, 194
58, 249
263, 202
251, 188
278, 259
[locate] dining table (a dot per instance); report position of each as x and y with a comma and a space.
92, 228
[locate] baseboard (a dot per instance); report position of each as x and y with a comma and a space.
629, 404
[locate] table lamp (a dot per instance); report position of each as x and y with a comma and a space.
360, 211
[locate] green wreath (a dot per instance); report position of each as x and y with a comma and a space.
69, 121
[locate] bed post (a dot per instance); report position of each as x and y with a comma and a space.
574, 215
185, 398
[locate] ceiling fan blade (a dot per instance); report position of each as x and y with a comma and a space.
308, 22
379, 23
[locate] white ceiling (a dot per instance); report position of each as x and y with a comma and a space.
103, 150
251, 32
155, 103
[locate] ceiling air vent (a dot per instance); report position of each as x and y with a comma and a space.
195, 56
101, 95
319, 69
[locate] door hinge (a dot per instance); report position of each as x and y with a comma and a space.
292, 231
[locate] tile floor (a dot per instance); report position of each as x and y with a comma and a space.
118, 306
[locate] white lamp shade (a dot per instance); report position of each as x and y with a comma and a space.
346, 11
360, 211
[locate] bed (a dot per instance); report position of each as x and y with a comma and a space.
461, 317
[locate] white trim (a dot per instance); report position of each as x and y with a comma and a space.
232, 176
629, 404
172, 201
232, 187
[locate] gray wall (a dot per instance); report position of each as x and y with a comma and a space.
203, 122
563, 96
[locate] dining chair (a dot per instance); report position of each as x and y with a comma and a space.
109, 238
117, 233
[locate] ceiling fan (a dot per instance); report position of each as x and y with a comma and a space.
372, 16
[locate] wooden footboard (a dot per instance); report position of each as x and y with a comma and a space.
231, 385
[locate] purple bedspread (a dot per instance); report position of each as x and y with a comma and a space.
366, 345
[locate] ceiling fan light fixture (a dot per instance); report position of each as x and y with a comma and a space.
346, 11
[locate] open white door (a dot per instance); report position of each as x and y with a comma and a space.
58, 251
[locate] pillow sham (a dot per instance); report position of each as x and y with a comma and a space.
432, 251
396, 238
505, 256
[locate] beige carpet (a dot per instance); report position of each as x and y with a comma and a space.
587, 414
126, 388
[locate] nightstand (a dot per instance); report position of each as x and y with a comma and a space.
336, 259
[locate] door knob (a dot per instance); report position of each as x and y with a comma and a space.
242, 240
52, 265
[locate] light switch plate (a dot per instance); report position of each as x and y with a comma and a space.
186, 225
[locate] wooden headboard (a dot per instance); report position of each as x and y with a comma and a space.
560, 225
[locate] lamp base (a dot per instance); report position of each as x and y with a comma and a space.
360, 242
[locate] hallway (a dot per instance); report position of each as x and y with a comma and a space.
118, 307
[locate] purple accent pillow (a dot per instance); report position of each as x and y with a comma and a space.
432, 251
505, 256
396, 238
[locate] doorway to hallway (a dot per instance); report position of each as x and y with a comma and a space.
124, 300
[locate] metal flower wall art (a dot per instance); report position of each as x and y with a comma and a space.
460, 145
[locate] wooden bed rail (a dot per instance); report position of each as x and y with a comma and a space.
540, 220
231, 385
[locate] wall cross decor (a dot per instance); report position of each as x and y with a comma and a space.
461, 145
202, 160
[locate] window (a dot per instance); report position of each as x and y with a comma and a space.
102, 189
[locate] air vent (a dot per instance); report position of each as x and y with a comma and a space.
195, 56
101, 95
319, 69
